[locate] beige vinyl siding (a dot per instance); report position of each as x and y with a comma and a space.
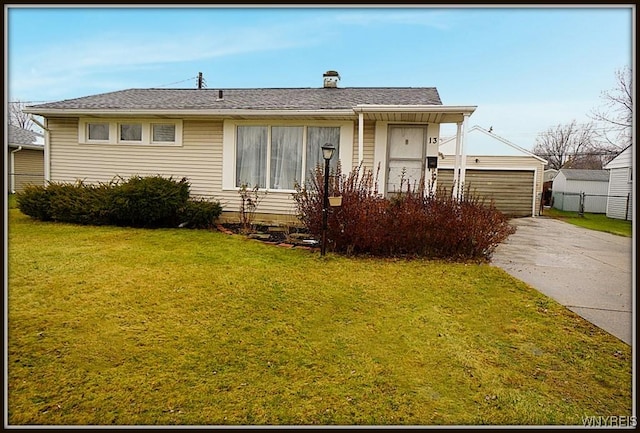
199, 159
368, 145
28, 169
93, 163
620, 202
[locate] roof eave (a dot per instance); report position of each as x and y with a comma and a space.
448, 109
186, 112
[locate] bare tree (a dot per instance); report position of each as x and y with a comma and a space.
19, 118
617, 112
571, 146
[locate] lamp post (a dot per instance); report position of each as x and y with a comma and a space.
327, 153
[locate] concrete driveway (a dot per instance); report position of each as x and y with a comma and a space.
588, 272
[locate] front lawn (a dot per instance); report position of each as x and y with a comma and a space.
118, 326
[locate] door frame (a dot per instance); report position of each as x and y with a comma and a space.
423, 158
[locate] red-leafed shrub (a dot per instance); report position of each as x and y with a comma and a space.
413, 222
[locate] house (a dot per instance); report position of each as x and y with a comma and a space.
569, 184
222, 139
620, 193
496, 169
25, 158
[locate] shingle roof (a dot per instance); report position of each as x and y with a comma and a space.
263, 99
579, 174
17, 135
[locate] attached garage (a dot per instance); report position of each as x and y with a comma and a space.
495, 169
512, 191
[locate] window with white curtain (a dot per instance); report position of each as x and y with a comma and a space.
98, 131
163, 132
131, 132
318, 136
251, 156
286, 156
278, 154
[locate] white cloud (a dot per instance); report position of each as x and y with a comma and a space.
51, 69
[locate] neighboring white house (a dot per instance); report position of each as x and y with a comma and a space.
220, 139
620, 200
25, 158
498, 169
569, 184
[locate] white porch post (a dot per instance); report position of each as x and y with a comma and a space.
463, 156
456, 165
360, 137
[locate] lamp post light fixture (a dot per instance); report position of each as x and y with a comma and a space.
327, 153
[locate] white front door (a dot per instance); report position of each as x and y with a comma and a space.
406, 157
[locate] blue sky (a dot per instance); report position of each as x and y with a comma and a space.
527, 69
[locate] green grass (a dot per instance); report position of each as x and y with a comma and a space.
116, 326
592, 221
11, 201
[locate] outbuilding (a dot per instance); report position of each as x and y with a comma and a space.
570, 186
495, 169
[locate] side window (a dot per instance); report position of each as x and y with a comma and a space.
98, 131
130, 132
163, 133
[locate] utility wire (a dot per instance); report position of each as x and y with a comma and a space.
177, 82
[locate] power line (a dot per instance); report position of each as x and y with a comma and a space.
177, 82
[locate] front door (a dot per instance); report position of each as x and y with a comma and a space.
406, 157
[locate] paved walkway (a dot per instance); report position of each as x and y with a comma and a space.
587, 271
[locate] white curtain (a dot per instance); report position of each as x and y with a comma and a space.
317, 136
286, 156
251, 156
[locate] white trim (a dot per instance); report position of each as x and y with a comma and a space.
463, 152
75, 112
360, 137
449, 109
455, 191
360, 108
47, 151
114, 131
12, 160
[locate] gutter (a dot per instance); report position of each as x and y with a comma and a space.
378, 108
13, 169
360, 108
190, 112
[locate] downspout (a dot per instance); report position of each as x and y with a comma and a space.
360, 137
456, 165
47, 147
13, 169
463, 162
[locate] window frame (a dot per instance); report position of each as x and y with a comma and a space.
146, 133
94, 140
229, 147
